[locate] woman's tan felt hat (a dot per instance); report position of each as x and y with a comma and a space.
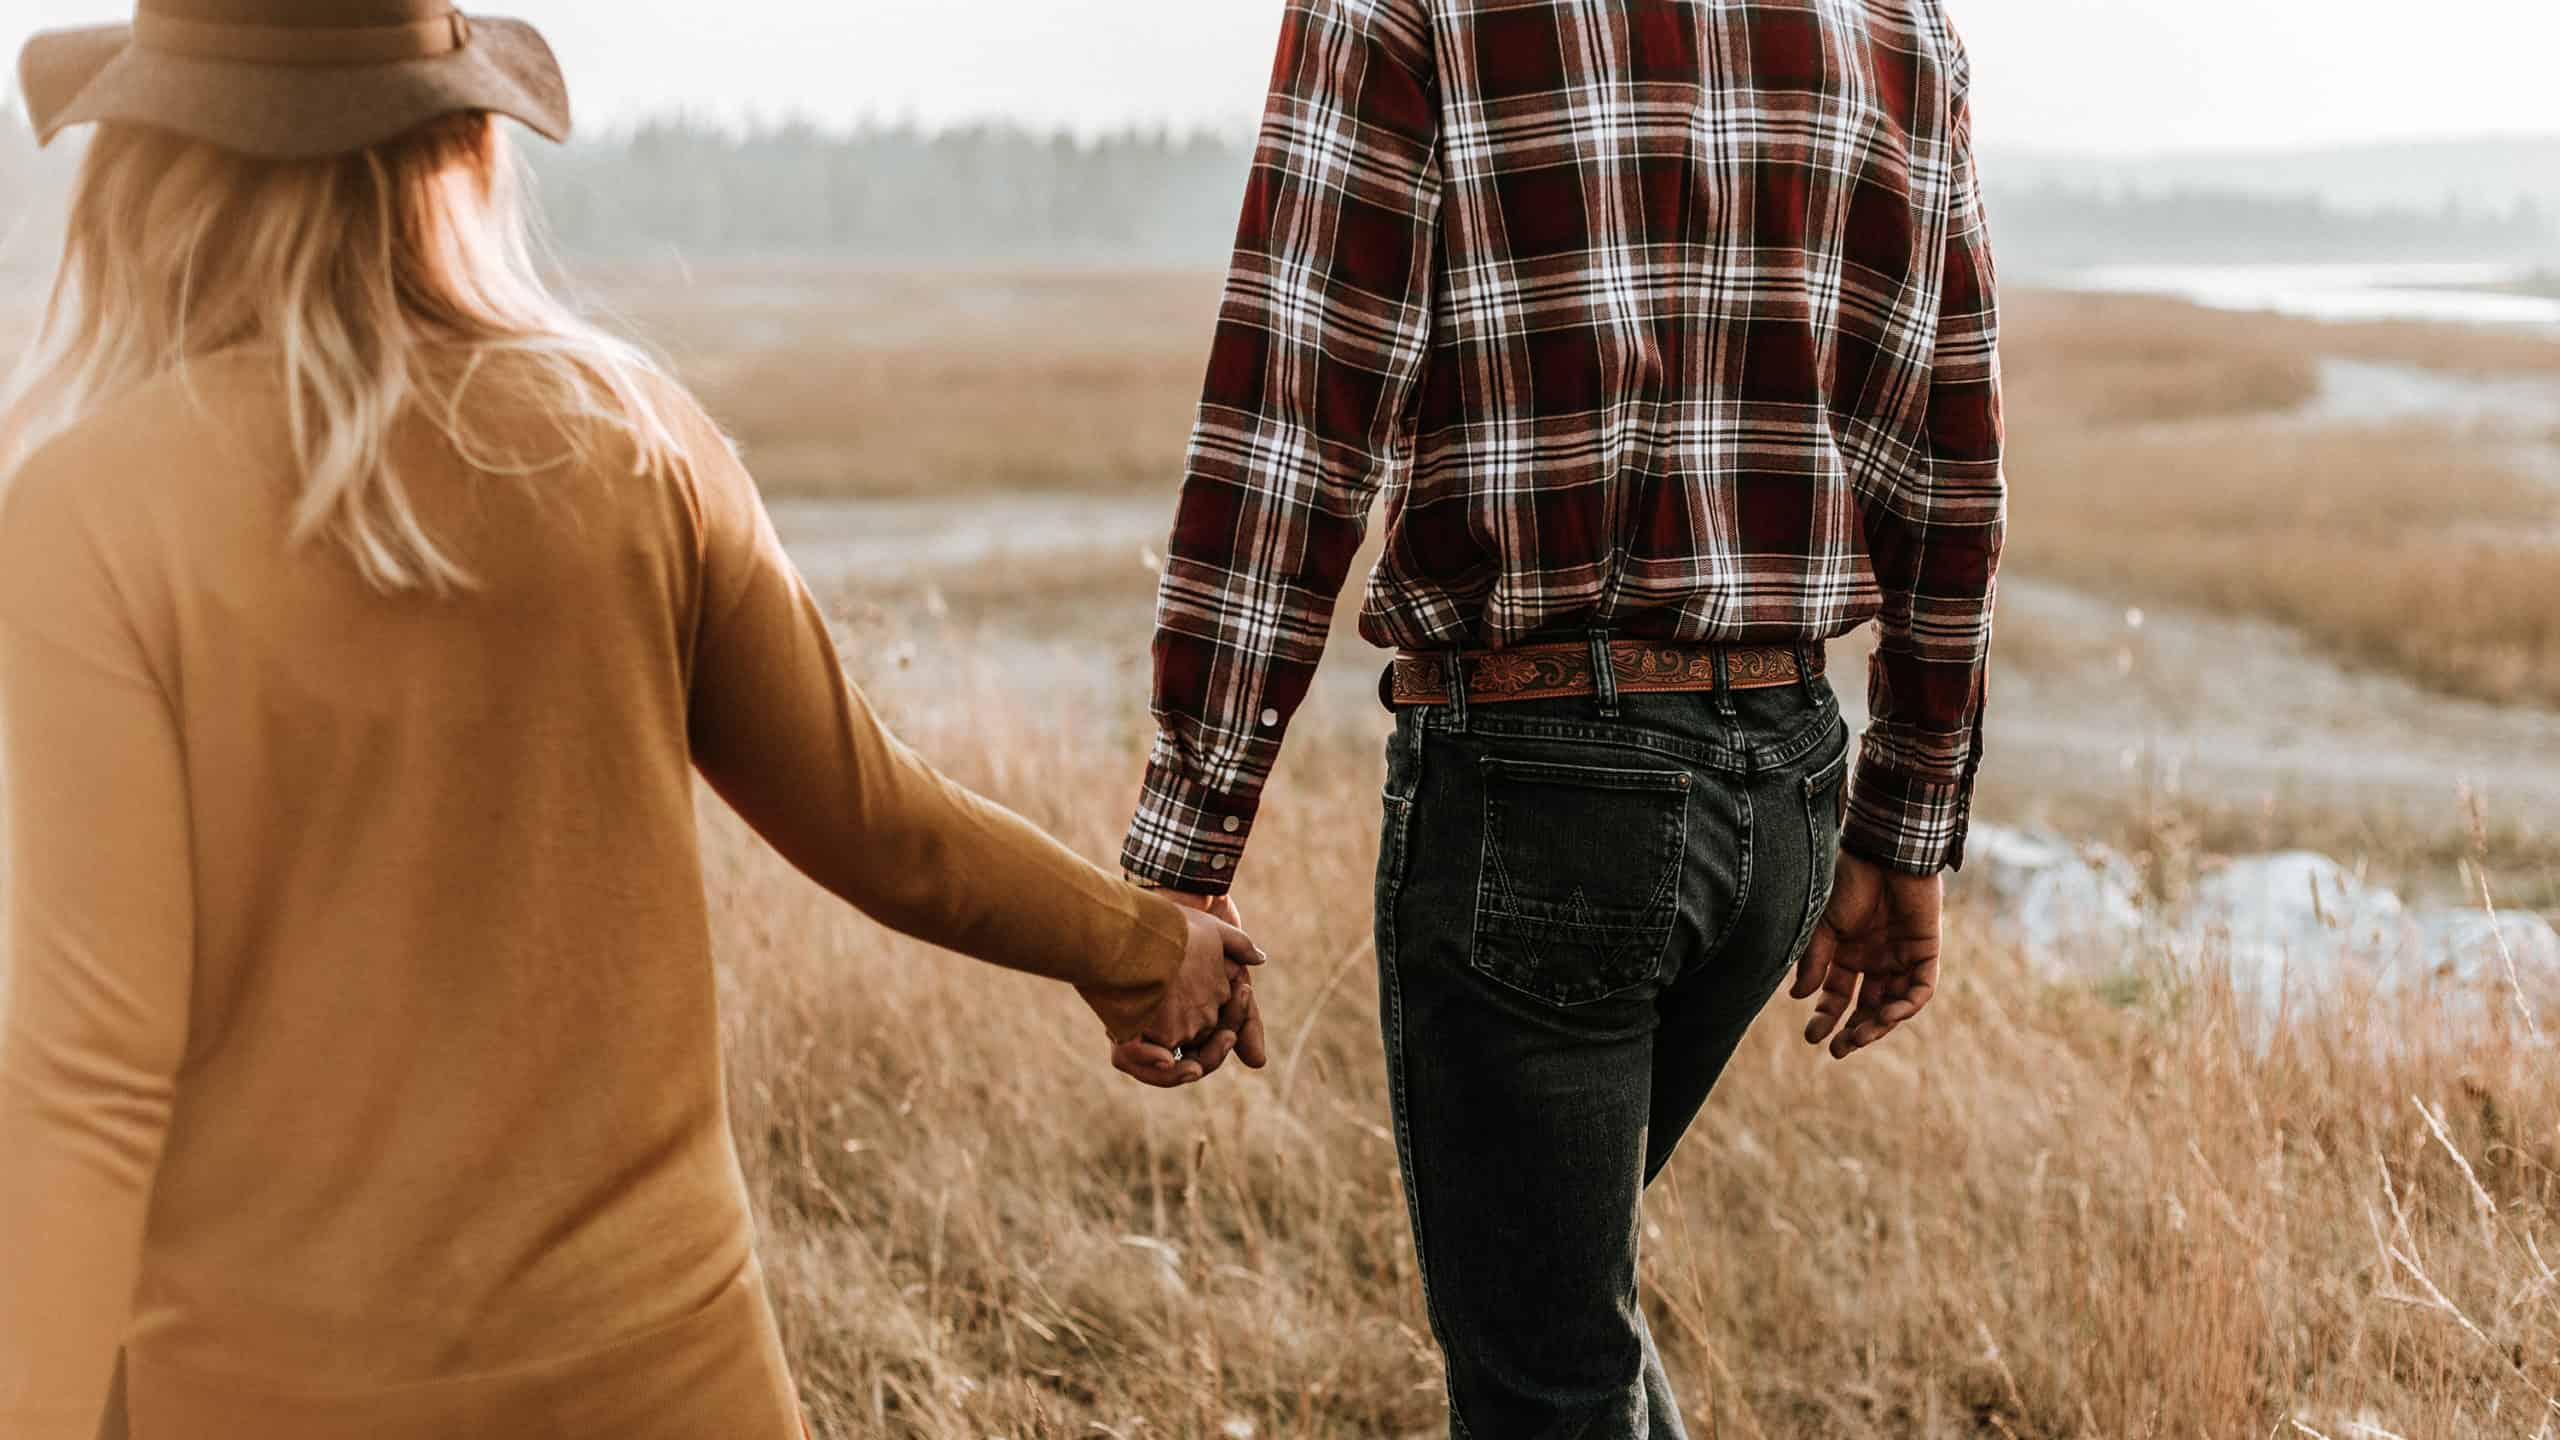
292, 79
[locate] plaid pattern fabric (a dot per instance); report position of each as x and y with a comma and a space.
1669, 318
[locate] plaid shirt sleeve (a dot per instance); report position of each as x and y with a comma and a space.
1323, 329
1935, 543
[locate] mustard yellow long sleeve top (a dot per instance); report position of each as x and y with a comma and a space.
359, 1069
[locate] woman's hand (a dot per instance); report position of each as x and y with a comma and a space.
1214, 965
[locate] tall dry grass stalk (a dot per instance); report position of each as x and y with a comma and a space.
2040, 1212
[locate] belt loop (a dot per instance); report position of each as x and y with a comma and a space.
1604, 674
1724, 684
1455, 663
1804, 670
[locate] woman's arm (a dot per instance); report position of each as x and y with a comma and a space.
795, 749
100, 952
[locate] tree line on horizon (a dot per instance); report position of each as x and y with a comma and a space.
999, 194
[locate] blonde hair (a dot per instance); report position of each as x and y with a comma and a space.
364, 274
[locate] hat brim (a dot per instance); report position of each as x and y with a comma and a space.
288, 112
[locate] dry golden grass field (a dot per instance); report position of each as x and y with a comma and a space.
2053, 1208
2046, 1210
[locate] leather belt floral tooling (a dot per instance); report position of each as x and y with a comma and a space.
1548, 672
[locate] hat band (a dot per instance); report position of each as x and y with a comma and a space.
303, 45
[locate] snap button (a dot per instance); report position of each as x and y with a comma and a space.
1217, 862
1270, 718
1233, 825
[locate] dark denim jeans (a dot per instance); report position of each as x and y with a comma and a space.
1578, 917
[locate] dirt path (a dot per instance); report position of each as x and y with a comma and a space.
2235, 710
2238, 708
2518, 413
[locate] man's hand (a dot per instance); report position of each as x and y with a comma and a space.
1882, 928
1236, 1030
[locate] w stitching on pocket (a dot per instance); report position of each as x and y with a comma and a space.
1555, 920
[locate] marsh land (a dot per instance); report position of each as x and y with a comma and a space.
2274, 583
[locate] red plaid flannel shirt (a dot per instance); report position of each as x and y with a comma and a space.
1667, 318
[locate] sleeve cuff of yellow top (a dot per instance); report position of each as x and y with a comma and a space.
1127, 991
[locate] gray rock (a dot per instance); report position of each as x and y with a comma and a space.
2291, 929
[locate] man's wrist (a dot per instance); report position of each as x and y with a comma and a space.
1186, 836
1192, 865
1905, 823
1859, 847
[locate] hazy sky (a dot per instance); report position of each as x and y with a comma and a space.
2115, 75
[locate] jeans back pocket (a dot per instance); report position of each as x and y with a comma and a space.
1579, 887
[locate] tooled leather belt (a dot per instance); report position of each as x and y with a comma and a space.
1550, 672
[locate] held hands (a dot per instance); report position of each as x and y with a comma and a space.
1874, 957
1208, 1012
